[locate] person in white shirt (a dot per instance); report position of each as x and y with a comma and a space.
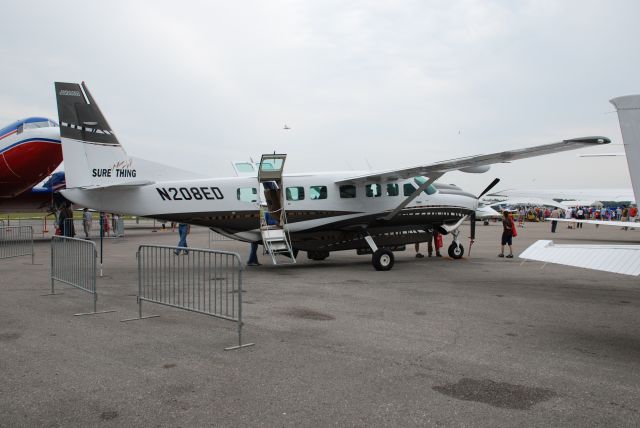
86, 222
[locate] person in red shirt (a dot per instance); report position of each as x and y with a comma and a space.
508, 232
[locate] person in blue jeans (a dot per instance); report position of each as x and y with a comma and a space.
253, 255
183, 231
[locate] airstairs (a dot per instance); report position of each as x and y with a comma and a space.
273, 218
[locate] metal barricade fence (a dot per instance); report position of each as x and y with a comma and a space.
208, 282
216, 237
118, 230
16, 241
73, 262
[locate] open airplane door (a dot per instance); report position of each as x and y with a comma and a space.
273, 218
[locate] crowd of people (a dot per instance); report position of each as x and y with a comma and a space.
608, 213
65, 222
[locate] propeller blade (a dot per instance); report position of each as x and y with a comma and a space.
489, 187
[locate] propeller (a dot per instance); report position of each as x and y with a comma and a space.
489, 187
473, 214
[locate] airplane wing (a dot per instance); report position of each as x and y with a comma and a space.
518, 200
598, 222
473, 162
623, 259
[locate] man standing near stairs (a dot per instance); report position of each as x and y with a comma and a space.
253, 255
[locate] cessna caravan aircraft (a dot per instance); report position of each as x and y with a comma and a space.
371, 212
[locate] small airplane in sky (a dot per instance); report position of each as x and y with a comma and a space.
372, 212
624, 259
29, 151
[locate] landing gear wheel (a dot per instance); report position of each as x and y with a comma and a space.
317, 255
382, 259
485, 222
456, 251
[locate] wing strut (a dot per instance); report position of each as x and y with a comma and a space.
414, 195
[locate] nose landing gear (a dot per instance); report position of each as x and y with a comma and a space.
456, 250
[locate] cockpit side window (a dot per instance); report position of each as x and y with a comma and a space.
430, 190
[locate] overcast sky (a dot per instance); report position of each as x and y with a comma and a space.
362, 84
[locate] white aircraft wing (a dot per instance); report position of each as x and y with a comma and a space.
623, 259
519, 200
598, 222
474, 162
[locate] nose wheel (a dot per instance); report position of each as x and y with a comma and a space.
456, 250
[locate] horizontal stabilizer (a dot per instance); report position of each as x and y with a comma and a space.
622, 259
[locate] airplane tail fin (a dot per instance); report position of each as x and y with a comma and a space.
628, 108
93, 156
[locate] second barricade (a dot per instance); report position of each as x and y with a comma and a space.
208, 282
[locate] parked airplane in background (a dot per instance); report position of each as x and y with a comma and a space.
43, 198
29, 151
371, 212
620, 195
623, 259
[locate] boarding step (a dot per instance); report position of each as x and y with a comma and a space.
276, 243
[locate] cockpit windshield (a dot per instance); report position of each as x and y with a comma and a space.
40, 124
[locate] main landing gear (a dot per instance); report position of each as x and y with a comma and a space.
382, 258
456, 250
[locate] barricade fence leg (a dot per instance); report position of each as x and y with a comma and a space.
139, 297
239, 290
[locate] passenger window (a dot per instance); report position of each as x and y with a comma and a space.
247, 194
348, 191
408, 189
318, 192
295, 193
392, 189
373, 190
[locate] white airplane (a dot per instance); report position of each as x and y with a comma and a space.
371, 212
624, 259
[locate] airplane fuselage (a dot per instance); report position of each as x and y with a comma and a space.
328, 221
29, 151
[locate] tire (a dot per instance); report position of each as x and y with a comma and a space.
382, 259
456, 251
317, 255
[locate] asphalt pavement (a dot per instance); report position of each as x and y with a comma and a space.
481, 341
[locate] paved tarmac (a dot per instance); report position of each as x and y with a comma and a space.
481, 341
